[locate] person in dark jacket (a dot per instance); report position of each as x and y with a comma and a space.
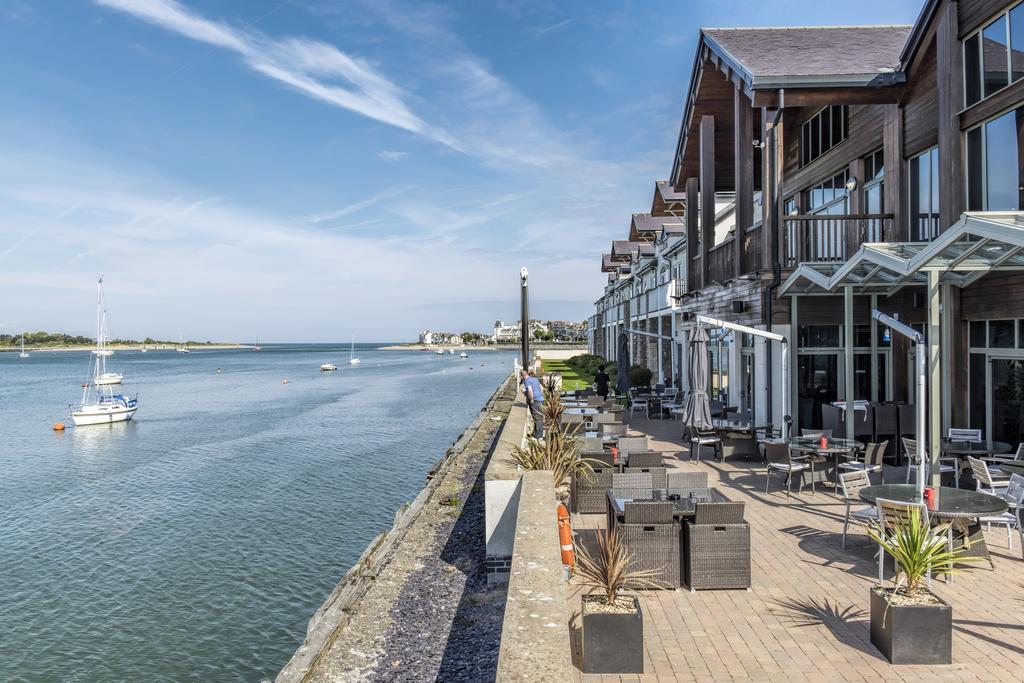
602, 379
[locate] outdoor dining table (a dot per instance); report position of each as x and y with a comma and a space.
835, 448
682, 506
957, 506
582, 411
1012, 467
975, 449
607, 438
737, 436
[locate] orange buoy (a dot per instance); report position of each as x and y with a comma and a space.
58, 427
565, 537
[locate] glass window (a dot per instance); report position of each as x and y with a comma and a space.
993, 56
972, 70
976, 390
975, 170
1001, 333
822, 132
1017, 43
924, 195
977, 334
815, 137
819, 336
862, 335
1020, 334
1001, 164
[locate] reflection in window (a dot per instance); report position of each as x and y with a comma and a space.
993, 56
972, 69
924, 195
994, 164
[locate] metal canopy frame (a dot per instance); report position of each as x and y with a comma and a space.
979, 243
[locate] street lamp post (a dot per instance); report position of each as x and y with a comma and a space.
524, 317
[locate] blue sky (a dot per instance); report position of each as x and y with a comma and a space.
299, 170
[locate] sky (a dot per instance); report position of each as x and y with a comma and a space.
304, 170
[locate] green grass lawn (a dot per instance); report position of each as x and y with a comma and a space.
572, 379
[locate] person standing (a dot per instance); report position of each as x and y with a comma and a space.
601, 379
535, 400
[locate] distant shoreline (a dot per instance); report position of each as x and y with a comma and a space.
125, 347
434, 347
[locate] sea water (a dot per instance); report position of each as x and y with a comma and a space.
196, 541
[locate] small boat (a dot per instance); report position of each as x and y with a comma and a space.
463, 355
439, 352
352, 360
105, 407
24, 353
182, 346
328, 367
256, 346
144, 349
451, 352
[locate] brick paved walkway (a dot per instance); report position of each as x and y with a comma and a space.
806, 617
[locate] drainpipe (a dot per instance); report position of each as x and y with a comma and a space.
524, 317
773, 226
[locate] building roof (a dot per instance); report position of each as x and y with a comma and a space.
645, 227
666, 199
625, 248
814, 56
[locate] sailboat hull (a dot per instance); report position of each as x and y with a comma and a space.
109, 379
103, 413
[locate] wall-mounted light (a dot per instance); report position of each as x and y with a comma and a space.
851, 184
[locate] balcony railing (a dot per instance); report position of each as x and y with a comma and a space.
722, 257
831, 238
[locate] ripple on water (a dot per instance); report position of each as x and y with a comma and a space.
197, 541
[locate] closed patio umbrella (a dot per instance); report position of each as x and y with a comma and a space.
697, 411
622, 365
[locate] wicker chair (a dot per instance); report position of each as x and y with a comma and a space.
644, 459
591, 444
588, 491
851, 484
651, 536
687, 480
659, 475
572, 421
717, 547
632, 443
614, 429
595, 401
873, 455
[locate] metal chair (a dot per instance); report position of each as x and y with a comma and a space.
891, 515
983, 480
638, 402
851, 483
700, 438
945, 466
779, 459
959, 434
873, 454
1012, 518
995, 461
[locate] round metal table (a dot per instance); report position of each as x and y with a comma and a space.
834, 448
950, 503
1012, 467
975, 448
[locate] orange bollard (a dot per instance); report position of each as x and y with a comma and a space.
565, 537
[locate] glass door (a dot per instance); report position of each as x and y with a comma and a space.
1005, 394
818, 378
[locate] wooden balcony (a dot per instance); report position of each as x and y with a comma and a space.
831, 238
722, 256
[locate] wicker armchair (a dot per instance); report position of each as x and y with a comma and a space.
588, 490
687, 480
605, 418
644, 459
651, 537
659, 475
632, 443
716, 547
591, 444
612, 429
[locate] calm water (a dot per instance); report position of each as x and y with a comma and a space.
196, 541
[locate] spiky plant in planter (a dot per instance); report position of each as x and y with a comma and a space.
559, 452
909, 623
613, 626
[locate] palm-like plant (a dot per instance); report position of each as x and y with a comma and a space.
608, 572
559, 452
919, 551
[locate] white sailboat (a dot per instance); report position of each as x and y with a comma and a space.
328, 367
182, 347
256, 346
100, 405
24, 353
463, 355
352, 360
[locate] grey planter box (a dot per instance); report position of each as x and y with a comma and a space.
613, 643
912, 634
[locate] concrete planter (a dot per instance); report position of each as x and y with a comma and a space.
911, 634
613, 643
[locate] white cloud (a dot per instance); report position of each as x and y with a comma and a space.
391, 155
311, 67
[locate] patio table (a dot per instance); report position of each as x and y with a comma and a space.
737, 436
961, 507
684, 506
977, 449
1012, 468
607, 438
835, 448
582, 411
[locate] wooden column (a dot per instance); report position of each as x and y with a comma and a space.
743, 134
692, 234
707, 195
949, 70
769, 195
849, 379
895, 197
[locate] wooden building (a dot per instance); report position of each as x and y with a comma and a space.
875, 167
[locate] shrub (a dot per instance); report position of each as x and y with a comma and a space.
639, 376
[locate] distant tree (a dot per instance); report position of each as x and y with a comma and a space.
538, 334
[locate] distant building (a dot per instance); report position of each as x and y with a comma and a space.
505, 333
440, 338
